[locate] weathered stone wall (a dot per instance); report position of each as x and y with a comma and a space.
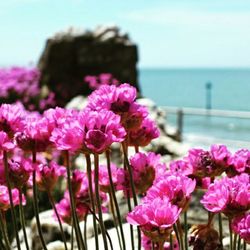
69, 56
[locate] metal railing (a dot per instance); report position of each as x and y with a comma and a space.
181, 112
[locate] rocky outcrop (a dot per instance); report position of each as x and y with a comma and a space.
69, 56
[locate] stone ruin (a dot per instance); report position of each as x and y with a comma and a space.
71, 55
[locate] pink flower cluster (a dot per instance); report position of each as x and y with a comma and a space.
241, 226
230, 196
96, 82
22, 84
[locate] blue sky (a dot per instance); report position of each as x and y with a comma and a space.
170, 33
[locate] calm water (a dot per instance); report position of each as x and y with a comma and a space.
186, 88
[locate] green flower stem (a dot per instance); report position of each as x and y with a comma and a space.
114, 219
22, 219
4, 231
35, 202
234, 241
231, 233
12, 209
92, 199
171, 241
114, 199
239, 243
129, 209
220, 229
245, 246
180, 233
124, 147
98, 201
52, 202
177, 235
85, 231
72, 203
185, 230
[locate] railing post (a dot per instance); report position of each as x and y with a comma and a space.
179, 125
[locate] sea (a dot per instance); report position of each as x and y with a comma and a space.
229, 90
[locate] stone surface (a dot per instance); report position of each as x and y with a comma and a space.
71, 55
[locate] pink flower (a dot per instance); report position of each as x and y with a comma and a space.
132, 120
35, 135
64, 211
209, 163
19, 172
144, 134
117, 177
145, 169
11, 119
96, 82
5, 143
155, 218
147, 244
239, 163
183, 167
230, 196
48, 174
241, 226
102, 129
117, 99
68, 137
177, 188
5, 200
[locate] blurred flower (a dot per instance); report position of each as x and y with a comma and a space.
230, 196
144, 134
48, 174
239, 163
241, 226
209, 163
5, 200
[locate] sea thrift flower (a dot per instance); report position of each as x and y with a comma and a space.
155, 219
5, 200
11, 118
147, 244
64, 211
48, 174
146, 168
5, 143
102, 129
183, 167
209, 163
241, 226
69, 136
144, 134
239, 163
78, 179
35, 135
177, 188
117, 177
230, 196
204, 237
19, 172
96, 82
117, 99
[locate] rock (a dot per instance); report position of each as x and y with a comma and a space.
114, 239
57, 245
50, 229
71, 55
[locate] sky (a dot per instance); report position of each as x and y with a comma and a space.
169, 33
